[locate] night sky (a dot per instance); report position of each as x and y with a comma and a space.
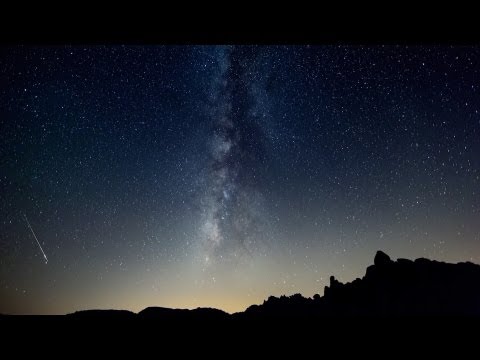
186, 176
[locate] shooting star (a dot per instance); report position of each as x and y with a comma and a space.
35, 236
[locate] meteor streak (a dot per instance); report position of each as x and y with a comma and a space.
35, 236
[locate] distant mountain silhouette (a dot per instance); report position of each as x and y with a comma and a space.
102, 314
183, 314
389, 288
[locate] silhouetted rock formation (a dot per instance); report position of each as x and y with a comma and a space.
404, 287
381, 259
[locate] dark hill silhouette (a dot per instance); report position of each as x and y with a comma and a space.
155, 313
182, 314
102, 314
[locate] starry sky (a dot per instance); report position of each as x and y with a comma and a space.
186, 176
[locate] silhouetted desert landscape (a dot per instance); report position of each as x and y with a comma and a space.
389, 289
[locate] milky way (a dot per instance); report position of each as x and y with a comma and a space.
235, 225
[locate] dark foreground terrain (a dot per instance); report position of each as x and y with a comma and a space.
399, 302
